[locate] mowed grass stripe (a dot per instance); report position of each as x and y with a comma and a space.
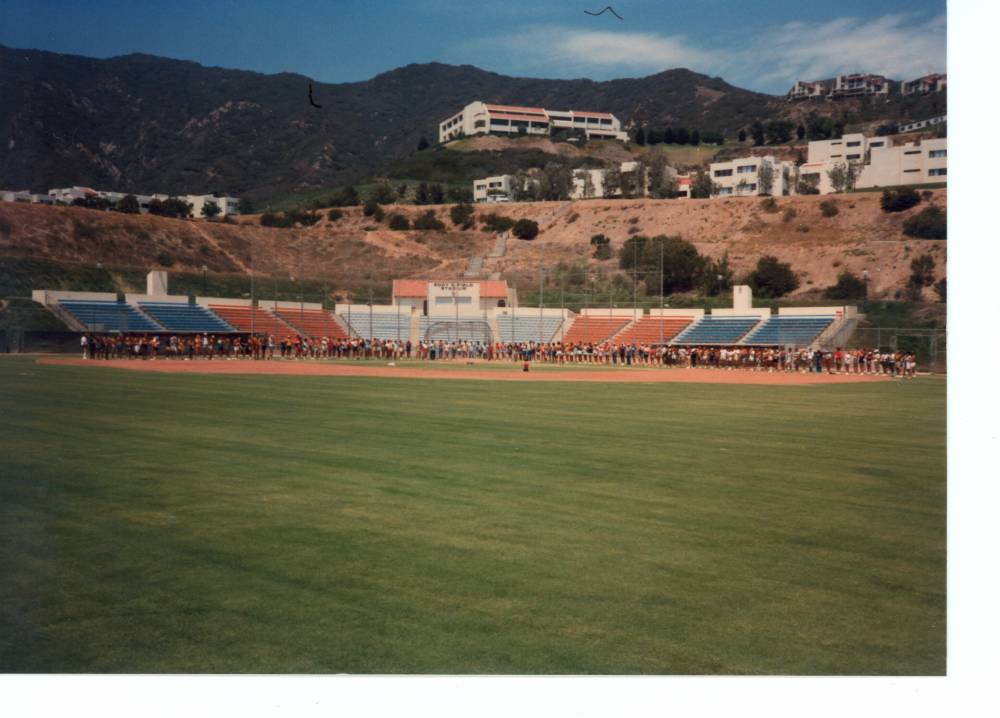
236, 523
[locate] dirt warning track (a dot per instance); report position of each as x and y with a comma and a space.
461, 371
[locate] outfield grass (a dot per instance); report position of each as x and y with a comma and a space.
154, 522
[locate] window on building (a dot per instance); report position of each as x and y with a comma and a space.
605, 121
913, 170
854, 157
480, 123
725, 190
938, 153
744, 169
853, 144
723, 173
912, 152
875, 144
938, 172
836, 156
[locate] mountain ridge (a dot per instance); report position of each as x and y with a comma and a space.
142, 123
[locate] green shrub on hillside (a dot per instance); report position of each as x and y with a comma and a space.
848, 286
769, 205
772, 278
398, 222
463, 215
525, 229
930, 223
428, 221
899, 200
494, 222
334, 214
829, 208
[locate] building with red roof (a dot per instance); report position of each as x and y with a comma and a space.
481, 118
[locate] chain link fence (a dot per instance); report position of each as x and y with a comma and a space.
930, 345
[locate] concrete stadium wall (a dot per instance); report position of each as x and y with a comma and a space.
696, 313
205, 301
609, 312
49, 296
163, 298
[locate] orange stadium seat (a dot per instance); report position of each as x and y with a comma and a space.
653, 330
312, 322
592, 330
245, 319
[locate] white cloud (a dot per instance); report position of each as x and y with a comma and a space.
898, 46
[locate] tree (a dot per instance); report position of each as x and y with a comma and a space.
742, 136
210, 209
838, 176
525, 229
246, 206
682, 265
602, 247
942, 289
463, 215
347, 197
808, 184
555, 182
779, 131
922, 271
383, 194
929, 223
436, 194
423, 195
681, 136
695, 138
800, 132
848, 286
668, 136
640, 137
633, 182
460, 194
612, 182
398, 222
829, 208
371, 209
128, 204
702, 186
171, 207
887, 129
718, 276
772, 278
422, 144
333, 215
653, 136
899, 200
765, 178
428, 221
757, 132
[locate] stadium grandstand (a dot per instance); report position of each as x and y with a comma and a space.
477, 311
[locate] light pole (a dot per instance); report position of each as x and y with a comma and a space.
864, 274
204, 279
253, 303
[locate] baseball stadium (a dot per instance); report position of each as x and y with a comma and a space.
455, 483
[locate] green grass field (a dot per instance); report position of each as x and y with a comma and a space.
161, 523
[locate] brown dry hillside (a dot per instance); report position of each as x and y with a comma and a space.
860, 237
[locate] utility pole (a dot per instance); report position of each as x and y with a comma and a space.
541, 299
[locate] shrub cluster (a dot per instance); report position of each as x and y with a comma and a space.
829, 208
284, 220
930, 223
899, 200
398, 222
497, 222
525, 229
428, 221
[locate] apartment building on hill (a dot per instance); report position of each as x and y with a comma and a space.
935, 82
481, 118
747, 177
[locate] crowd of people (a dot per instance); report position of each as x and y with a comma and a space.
259, 347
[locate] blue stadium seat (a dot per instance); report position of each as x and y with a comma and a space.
789, 330
103, 316
185, 317
378, 325
717, 330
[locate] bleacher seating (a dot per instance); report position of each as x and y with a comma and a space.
99, 315
785, 330
312, 322
653, 330
467, 330
184, 317
378, 325
244, 318
717, 330
527, 327
594, 329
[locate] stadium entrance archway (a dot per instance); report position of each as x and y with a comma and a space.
467, 330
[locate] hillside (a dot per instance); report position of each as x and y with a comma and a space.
37, 243
142, 124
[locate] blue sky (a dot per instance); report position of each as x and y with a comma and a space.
762, 45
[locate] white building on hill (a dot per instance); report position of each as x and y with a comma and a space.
481, 118
746, 176
924, 162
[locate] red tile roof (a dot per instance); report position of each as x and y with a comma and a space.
493, 289
409, 288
